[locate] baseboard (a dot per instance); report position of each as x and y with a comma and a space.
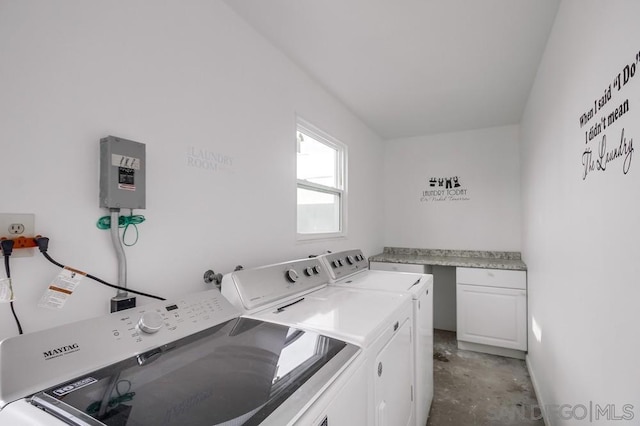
493, 350
536, 389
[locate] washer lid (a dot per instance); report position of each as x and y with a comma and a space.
240, 372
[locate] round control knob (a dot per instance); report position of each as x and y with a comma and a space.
335, 263
308, 271
291, 275
350, 260
150, 322
316, 269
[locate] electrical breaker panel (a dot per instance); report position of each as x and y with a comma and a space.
122, 173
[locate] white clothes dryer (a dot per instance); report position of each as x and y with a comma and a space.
297, 294
349, 269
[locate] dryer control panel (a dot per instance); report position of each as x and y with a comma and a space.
344, 263
258, 288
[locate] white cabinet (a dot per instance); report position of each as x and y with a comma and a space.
492, 310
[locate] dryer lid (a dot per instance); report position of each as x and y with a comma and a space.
352, 315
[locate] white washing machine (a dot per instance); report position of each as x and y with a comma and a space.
193, 361
297, 294
349, 269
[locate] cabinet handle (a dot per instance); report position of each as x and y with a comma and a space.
395, 326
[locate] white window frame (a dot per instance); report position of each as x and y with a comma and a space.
305, 127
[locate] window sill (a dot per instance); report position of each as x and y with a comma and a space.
310, 238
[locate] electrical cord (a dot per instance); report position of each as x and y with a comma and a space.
94, 407
7, 249
123, 222
43, 246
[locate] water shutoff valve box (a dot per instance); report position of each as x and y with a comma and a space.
122, 173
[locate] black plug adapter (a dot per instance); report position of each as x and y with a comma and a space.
42, 243
7, 247
120, 303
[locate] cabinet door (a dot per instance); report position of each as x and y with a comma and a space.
492, 316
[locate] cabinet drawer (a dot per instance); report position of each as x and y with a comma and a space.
398, 267
492, 278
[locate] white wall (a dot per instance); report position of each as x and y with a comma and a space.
486, 162
173, 75
581, 239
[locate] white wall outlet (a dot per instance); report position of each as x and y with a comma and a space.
14, 225
16, 229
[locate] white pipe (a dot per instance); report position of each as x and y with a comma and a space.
117, 244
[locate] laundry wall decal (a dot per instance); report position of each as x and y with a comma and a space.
445, 189
600, 153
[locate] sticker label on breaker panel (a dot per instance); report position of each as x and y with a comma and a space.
62, 287
127, 167
126, 179
125, 162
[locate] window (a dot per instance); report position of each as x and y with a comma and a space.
321, 183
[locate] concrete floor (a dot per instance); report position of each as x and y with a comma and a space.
474, 389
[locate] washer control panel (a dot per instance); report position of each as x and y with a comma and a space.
344, 263
150, 322
35, 361
171, 318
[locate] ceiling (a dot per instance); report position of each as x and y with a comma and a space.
414, 67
